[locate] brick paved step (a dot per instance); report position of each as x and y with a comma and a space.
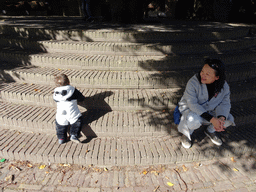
100, 79
103, 122
110, 151
243, 90
130, 33
135, 49
136, 63
116, 99
121, 79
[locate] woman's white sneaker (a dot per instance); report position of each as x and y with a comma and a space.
214, 138
186, 143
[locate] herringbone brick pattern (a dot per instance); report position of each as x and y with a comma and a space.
132, 77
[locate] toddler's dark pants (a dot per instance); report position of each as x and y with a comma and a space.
74, 129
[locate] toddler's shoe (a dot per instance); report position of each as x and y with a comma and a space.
74, 139
61, 141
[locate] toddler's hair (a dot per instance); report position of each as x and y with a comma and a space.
61, 80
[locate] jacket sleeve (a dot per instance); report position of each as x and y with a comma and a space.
191, 96
77, 95
223, 108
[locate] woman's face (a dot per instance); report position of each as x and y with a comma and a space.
208, 75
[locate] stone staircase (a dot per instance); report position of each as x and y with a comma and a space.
132, 76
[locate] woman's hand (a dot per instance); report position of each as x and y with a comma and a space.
218, 124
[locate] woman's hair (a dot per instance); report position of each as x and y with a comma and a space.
219, 69
61, 80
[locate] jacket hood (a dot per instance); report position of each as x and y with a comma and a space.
63, 93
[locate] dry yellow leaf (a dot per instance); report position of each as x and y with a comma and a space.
9, 178
234, 169
105, 169
233, 159
29, 165
184, 168
42, 166
155, 172
170, 184
145, 172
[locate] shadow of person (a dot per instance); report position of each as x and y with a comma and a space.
96, 107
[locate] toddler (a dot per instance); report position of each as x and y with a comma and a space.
66, 97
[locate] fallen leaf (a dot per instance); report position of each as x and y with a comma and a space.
105, 169
29, 165
14, 167
184, 168
9, 178
156, 188
145, 172
155, 172
42, 166
234, 169
233, 159
170, 184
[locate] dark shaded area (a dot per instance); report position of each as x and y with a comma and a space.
96, 108
134, 11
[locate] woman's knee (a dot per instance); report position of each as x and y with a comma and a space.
192, 120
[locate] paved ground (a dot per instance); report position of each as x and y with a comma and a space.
228, 174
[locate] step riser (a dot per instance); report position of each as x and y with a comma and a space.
119, 64
106, 35
112, 81
97, 99
112, 124
129, 80
127, 49
131, 104
122, 99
